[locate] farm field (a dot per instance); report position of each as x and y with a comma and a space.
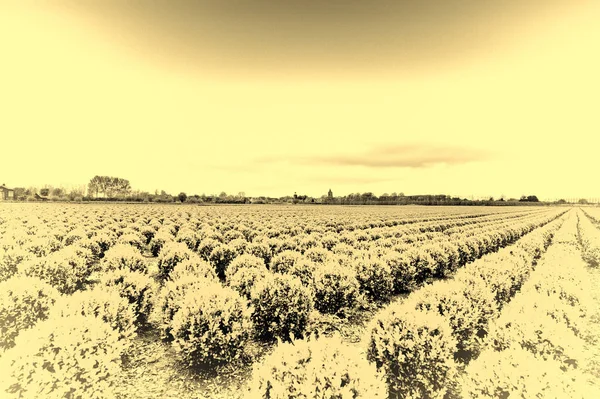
160, 301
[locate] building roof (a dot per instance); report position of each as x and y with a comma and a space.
3, 187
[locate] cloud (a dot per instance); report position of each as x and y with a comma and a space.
348, 179
395, 156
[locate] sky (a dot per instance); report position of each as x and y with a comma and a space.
466, 98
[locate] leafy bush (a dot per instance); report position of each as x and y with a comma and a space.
374, 278
148, 232
189, 237
74, 357
170, 298
171, 254
335, 288
238, 245
245, 278
23, 302
74, 235
206, 246
303, 269
317, 255
193, 266
516, 373
402, 271
422, 262
260, 250
284, 261
103, 303
43, 246
319, 369
466, 308
66, 270
415, 351
124, 256
159, 240
244, 261
133, 239
211, 326
105, 240
221, 257
138, 288
10, 260
281, 307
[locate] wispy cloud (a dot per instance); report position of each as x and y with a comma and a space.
393, 156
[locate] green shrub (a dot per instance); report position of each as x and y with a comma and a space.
245, 278
284, 261
90, 249
159, 240
329, 241
466, 308
138, 288
189, 237
75, 357
303, 269
335, 288
238, 245
402, 271
317, 369
206, 246
124, 256
537, 332
170, 298
281, 307
211, 326
105, 240
516, 373
10, 260
148, 232
343, 249
317, 255
221, 257
133, 239
66, 270
415, 351
246, 261
260, 250
74, 235
103, 303
23, 302
193, 266
171, 254
374, 278
43, 246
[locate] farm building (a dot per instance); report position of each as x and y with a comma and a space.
6, 194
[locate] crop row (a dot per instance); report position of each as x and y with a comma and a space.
540, 345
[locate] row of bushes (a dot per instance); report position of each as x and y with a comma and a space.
413, 349
589, 236
421, 343
60, 346
538, 347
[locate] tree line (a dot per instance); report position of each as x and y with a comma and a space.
109, 188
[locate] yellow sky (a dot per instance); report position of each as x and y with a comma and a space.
478, 102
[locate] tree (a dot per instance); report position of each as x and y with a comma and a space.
108, 186
182, 197
20, 193
561, 201
44, 192
582, 201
